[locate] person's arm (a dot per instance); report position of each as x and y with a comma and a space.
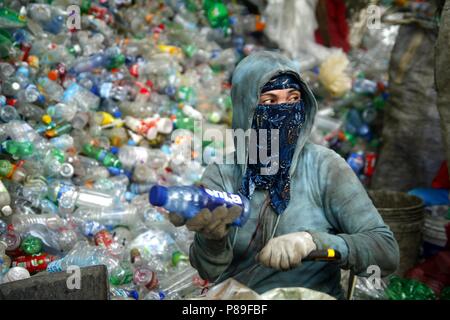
211, 257
363, 238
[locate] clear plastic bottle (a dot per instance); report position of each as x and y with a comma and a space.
5, 201
6, 70
61, 239
68, 196
21, 131
81, 97
140, 188
9, 113
11, 87
22, 223
145, 174
127, 215
62, 112
63, 142
83, 255
30, 111
176, 286
51, 89
130, 156
103, 59
34, 189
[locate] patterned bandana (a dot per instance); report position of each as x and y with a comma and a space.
288, 118
283, 81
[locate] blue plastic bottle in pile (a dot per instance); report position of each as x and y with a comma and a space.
187, 201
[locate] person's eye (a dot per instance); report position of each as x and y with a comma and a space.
267, 101
294, 98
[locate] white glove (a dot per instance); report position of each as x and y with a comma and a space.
287, 251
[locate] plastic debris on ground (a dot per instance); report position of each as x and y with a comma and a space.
89, 97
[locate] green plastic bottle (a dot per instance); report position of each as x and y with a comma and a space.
408, 289
117, 61
216, 13
101, 155
178, 257
121, 275
186, 94
5, 44
11, 19
6, 168
85, 6
31, 245
18, 149
184, 122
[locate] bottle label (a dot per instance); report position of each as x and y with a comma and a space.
63, 189
227, 197
54, 266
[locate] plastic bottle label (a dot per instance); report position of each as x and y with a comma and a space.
228, 197
54, 266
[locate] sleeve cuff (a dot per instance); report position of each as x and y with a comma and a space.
325, 241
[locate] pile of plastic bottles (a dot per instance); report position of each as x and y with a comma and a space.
352, 125
89, 97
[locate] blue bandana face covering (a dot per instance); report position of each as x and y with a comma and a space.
288, 118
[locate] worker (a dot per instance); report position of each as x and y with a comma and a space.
313, 201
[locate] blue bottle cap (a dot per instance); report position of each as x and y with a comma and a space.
129, 174
117, 114
114, 150
158, 195
114, 171
95, 90
134, 294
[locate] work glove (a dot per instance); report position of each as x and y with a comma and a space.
213, 225
287, 251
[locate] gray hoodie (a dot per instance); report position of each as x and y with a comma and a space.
327, 200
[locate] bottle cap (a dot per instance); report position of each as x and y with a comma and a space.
46, 119
67, 170
158, 195
114, 150
7, 211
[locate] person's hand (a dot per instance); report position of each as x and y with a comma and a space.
213, 225
287, 251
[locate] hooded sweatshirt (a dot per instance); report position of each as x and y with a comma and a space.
326, 199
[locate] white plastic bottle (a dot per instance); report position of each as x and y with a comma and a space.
5, 200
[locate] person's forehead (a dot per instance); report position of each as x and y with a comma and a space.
280, 91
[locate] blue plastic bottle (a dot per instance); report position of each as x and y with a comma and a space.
187, 201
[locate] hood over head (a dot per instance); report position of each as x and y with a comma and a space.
249, 77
